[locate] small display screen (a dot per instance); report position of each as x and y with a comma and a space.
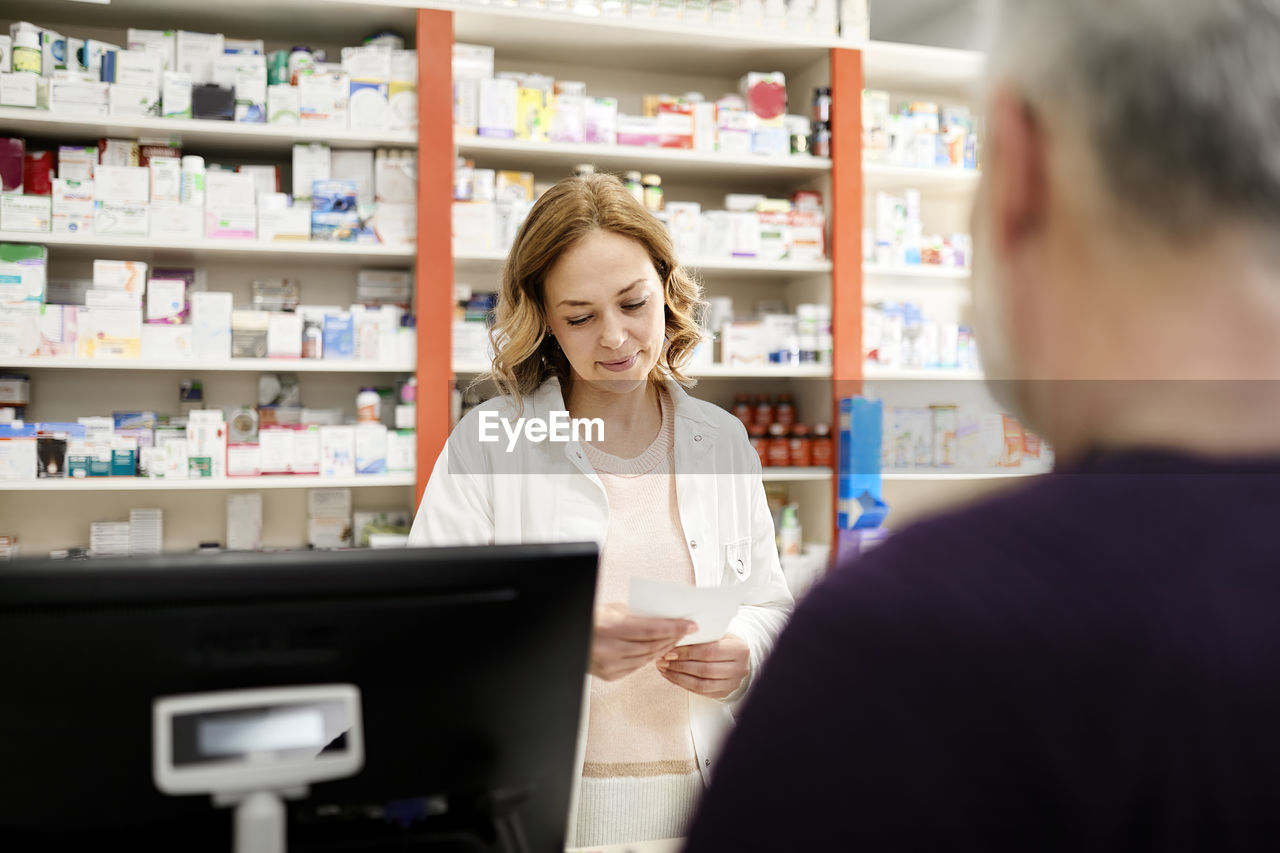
265, 735
287, 728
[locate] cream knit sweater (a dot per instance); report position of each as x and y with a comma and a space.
640, 778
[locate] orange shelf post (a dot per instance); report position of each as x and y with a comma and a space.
847, 83
434, 269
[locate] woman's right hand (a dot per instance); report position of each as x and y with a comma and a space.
622, 643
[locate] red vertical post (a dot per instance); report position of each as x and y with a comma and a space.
434, 270
847, 83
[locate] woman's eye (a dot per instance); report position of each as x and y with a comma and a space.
579, 321
636, 305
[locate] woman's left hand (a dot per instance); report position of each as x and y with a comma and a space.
713, 670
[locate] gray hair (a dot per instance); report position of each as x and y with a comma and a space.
1179, 98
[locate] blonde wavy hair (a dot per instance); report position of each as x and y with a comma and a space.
525, 354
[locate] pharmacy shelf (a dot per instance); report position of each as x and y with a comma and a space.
878, 176
240, 365
195, 134
625, 42
796, 475
955, 476
913, 68
671, 162
99, 244
715, 371
722, 371
873, 373
917, 271
282, 21
144, 484
741, 267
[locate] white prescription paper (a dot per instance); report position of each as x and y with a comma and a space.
711, 607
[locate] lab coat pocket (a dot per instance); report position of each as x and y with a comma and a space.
737, 559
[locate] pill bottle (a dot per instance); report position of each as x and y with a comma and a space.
193, 180
27, 55
368, 406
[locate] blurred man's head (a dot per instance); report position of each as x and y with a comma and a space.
1130, 195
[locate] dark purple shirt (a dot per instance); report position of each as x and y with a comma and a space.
1089, 663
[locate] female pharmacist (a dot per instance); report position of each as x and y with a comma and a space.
595, 318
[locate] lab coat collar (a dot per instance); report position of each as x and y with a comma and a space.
695, 432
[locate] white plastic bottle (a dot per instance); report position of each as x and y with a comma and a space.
27, 56
790, 538
368, 406
193, 180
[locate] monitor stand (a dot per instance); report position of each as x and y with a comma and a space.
260, 819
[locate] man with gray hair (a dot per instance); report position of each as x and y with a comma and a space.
1091, 662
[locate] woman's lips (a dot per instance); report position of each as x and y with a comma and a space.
621, 366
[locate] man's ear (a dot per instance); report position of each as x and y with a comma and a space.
1017, 173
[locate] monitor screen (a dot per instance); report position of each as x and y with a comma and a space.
470, 664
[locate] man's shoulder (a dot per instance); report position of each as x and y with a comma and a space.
957, 564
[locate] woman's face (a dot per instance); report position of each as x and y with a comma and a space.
604, 303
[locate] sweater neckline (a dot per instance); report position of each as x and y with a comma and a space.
652, 456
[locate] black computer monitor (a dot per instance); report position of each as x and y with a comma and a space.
470, 663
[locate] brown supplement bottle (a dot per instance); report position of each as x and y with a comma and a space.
822, 453
801, 447
764, 410
779, 450
785, 412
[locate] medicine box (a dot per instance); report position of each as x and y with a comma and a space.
24, 90
126, 219
111, 333
33, 213
167, 343
311, 163
77, 163
334, 213
177, 222
283, 104
195, 54
323, 99
72, 206
371, 449
175, 94
337, 451
127, 276
211, 325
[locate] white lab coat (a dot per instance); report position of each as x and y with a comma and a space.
479, 493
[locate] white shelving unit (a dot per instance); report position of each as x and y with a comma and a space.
873, 373
66, 387
797, 475
945, 76
940, 181
195, 133
143, 484
212, 250
920, 272
239, 365
671, 162
739, 267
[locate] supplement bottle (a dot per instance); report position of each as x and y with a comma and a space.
652, 193
778, 451
27, 55
193, 180
634, 185
785, 412
368, 406
822, 452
